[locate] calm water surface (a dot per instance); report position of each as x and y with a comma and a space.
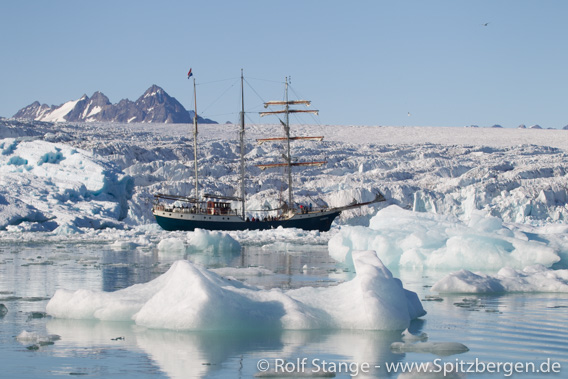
527, 328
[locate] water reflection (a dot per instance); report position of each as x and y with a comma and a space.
121, 269
124, 268
510, 327
223, 353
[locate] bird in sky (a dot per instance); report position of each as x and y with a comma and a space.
486, 24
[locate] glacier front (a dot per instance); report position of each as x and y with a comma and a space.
47, 186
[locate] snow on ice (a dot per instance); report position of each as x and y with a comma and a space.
211, 241
200, 240
190, 297
404, 238
536, 278
46, 186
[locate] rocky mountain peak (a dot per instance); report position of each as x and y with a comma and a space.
100, 99
155, 105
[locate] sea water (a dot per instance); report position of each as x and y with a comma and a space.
519, 335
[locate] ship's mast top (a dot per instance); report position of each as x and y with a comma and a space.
195, 142
286, 124
288, 153
242, 140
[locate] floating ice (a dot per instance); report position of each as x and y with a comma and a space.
409, 337
536, 278
241, 272
190, 297
172, 244
123, 245
213, 241
417, 344
280, 238
438, 348
201, 240
67, 229
427, 240
33, 337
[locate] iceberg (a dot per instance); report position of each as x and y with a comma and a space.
171, 244
213, 242
34, 337
411, 338
536, 278
403, 238
413, 343
190, 297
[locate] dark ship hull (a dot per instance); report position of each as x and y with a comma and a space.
320, 221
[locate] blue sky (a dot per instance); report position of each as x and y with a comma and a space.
360, 62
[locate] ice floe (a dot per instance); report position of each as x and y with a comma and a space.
200, 240
417, 343
213, 241
190, 297
172, 244
403, 238
438, 348
34, 337
536, 278
409, 337
241, 272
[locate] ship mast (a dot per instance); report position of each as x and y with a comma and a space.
286, 124
242, 140
288, 155
195, 142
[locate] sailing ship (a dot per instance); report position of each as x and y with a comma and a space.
216, 212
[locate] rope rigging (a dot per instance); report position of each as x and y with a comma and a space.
255, 108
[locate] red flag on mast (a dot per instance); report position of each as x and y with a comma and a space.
189, 74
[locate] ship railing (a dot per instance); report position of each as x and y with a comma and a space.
192, 210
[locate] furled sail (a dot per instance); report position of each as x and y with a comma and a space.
291, 102
286, 111
262, 140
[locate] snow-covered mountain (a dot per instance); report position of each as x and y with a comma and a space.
155, 105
